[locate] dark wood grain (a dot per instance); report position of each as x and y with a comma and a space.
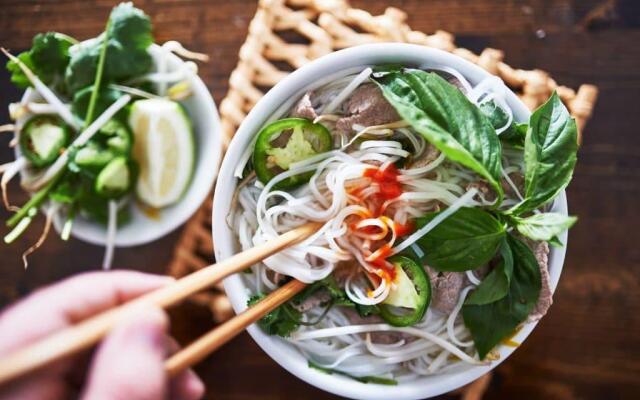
588, 347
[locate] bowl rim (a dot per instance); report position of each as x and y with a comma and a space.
289, 90
193, 196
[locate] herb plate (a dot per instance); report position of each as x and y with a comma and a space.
271, 106
146, 225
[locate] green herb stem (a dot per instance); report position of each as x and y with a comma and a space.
38, 198
98, 80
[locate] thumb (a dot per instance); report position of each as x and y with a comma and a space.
130, 362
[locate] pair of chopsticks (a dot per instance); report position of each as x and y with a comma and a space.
87, 333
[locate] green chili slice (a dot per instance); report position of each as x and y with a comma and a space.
400, 316
285, 142
43, 138
115, 179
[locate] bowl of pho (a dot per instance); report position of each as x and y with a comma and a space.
117, 139
443, 219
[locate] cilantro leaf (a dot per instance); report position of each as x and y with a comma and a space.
47, 58
18, 77
282, 321
50, 55
129, 33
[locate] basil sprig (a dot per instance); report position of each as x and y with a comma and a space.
550, 149
490, 323
447, 119
471, 237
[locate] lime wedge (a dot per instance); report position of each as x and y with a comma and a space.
164, 148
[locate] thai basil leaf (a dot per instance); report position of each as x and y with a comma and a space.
495, 285
544, 226
555, 242
550, 154
496, 115
129, 33
380, 70
491, 323
447, 119
467, 239
514, 134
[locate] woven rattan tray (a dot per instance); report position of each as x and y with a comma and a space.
286, 34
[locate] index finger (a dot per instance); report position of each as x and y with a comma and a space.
70, 301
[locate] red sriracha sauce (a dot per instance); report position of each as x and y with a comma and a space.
380, 261
404, 229
387, 179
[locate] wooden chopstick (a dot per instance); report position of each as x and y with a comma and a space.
214, 339
87, 333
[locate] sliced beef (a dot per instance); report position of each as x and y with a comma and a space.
445, 289
483, 188
427, 157
343, 270
304, 108
366, 106
517, 179
541, 252
319, 298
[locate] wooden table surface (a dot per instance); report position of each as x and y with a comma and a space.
587, 347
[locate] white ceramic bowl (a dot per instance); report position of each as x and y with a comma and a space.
277, 101
143, 228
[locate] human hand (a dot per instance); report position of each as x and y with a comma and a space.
128, 364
